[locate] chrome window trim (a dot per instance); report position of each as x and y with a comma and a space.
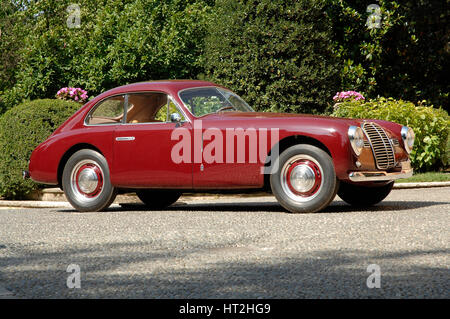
125, 107
169, 96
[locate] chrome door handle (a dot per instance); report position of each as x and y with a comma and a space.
125, 138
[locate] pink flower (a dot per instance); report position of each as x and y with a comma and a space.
341, 96
68, 93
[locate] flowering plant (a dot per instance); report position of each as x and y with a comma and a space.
342, 96
76, 94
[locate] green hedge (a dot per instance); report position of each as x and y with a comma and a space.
22, 128
430, 125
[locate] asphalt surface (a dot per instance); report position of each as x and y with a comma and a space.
231, 248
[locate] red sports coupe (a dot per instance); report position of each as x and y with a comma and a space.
160, 139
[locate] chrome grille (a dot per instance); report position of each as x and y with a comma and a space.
381, 145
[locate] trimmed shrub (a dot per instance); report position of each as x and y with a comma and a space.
277, 54
22, 129
430, 125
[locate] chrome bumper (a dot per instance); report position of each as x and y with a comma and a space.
370, 176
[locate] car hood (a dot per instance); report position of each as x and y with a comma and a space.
287, 119
281, 116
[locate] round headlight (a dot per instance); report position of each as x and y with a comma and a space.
408, 138
356, 137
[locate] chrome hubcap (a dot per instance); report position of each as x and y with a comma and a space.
301, 178
86, 180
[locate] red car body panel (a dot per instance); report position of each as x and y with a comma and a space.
146, 162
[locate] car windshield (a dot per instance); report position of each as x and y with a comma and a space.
206, 100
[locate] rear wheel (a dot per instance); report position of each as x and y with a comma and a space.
305, 181
358, 195
157, 199
86, 181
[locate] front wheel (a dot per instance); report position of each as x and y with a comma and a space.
157, 199
358, 195
86, 181
305, 181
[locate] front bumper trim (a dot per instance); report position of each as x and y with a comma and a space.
371, 176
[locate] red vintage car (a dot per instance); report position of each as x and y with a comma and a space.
160, 139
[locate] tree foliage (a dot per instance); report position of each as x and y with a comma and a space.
117, 42
280, 55
11, 35
405, 54
277, 54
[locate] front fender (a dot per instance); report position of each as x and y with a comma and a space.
334, 140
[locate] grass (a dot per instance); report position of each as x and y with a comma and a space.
426, 177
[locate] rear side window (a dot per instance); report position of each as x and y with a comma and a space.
109, 111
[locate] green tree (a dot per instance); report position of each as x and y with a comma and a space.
277, 54
416, 54
404, 55
117, 42
12, 30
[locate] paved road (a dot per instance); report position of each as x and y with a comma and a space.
247, 248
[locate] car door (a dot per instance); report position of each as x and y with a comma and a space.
225, 149
143, 145
237, 166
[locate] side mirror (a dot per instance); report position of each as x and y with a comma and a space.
175, 118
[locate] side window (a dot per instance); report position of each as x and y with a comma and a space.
109, 111
150, 107
147, 107
161, 114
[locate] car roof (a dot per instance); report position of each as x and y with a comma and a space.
161, 85
171, 87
